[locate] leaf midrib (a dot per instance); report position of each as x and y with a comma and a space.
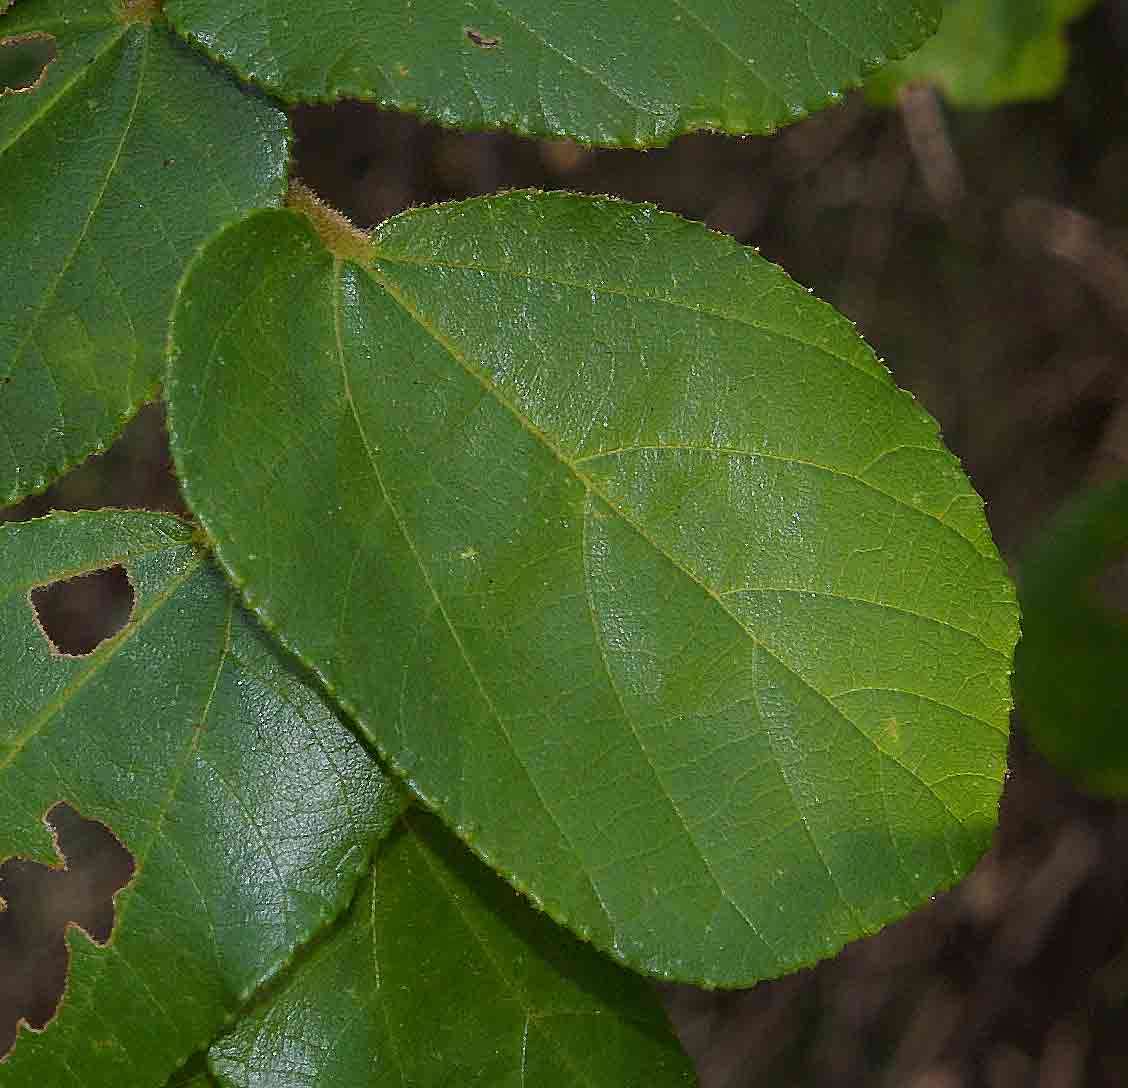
592, 488
620, 291
589, 483
401, 526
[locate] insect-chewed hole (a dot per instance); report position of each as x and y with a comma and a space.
78, 615
24, 61
40, 902
482, 41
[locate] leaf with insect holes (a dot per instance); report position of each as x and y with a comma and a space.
249, 810
24, 61
116, 166
989, 52
443, 975
624, 550
603, 72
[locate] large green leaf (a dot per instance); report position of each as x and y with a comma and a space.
615, 72
128, 155
625, 551
1073, 659
442, 975
249, 810
989, 52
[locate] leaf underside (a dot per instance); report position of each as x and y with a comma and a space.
250, 811
989, 52
624, 550
128, 155
442, 975
601, 72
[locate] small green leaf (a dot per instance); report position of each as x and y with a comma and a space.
128, 154
989, 52
626, 552
601, 71
250, 812
1073, 659
442, 975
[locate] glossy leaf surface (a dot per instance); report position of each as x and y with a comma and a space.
250, 812
990, 52
1073, 658
602, 71
129, 153
444, 975
626, 552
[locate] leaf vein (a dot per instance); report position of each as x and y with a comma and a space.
592, 486
849, 599
401, 525
624, 292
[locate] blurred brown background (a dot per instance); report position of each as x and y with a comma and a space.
985, 255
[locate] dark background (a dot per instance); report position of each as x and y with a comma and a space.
985, 255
